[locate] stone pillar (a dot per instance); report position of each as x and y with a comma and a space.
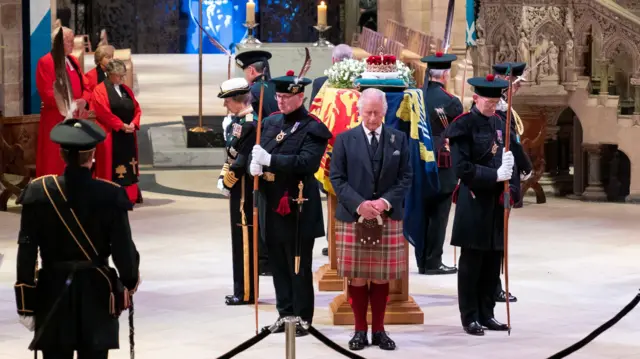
595, 189
578, 159
11, 57
604, 76
635, 82
351, 16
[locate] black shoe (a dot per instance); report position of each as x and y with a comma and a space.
421, 270
382, 340
229, 296
359, 341
474, 329
441, 269
233, 300
300, 331
493, 324
325, 251
502, 297
279, 329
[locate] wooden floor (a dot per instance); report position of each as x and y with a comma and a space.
573, 266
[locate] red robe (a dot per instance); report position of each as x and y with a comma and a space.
110, 122
92, 78
48, 159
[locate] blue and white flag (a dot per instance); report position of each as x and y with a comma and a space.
471, 33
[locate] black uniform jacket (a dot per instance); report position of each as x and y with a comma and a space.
442, 108
293, 159
477, 143
82, 319
241, 137
269, 103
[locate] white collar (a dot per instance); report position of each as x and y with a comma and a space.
367, 131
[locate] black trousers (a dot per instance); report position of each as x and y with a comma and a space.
437, 217
242, 266
478, 276
82, 354
294, 293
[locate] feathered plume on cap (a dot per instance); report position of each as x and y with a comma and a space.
62, 92
305, 66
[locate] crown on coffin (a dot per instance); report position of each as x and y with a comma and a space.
381, 63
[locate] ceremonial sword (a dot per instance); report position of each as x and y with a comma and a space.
300, 201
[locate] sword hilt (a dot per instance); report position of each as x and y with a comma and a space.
300, 199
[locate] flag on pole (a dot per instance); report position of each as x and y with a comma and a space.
471, 34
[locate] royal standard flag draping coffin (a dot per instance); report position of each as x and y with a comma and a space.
407, 113
338, 110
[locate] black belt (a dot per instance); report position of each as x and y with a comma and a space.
73, 265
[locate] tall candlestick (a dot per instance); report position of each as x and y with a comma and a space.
251, 12
322, 14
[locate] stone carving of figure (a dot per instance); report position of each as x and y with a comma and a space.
481, 43
523, 48
569, 59
568, 22
503, 51
553, 58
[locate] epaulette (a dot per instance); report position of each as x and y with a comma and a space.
41, 177
315, 117
460, 115
447, 92
107, 181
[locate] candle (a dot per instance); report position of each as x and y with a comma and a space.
251, 12
322, 14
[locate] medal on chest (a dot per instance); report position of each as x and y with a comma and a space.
494, 148
236, 130
281, 135
499, 133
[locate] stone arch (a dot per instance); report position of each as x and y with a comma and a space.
616, 173
500, 29
582, 28
557, 32
613, 42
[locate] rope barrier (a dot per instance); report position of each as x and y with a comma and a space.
604, 327
246, 345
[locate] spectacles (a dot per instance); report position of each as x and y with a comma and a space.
283, 97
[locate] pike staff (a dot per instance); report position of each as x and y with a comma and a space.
507, 197
256, 185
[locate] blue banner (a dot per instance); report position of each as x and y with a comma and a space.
471, 33
407, 113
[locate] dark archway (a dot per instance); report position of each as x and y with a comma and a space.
616, 173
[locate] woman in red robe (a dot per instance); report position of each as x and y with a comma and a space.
101, 57
48, 159
118, 112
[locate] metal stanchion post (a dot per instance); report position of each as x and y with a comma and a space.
290, 331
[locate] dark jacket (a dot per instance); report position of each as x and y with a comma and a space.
269, 103
82, 319
296, 157
240, 138
352, 176
477, 143
439, 102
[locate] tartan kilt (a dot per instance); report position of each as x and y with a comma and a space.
386, 261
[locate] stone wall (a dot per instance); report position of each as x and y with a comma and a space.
415, 14
11, 78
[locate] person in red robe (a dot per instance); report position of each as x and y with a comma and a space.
118, 112
102, 56
48, 160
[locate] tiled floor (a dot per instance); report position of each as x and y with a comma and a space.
573, 265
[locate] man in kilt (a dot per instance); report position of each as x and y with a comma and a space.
477, 140
371, 173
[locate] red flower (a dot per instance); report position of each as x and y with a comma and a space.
490, 77
290, 73
439, 54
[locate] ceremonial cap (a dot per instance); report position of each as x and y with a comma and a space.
233, 87
290, 83
489, 86
77, 135
516, 68
439, 61
247, 58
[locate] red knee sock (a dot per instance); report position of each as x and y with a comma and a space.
378, 295
359, 300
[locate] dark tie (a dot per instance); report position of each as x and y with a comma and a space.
374, 142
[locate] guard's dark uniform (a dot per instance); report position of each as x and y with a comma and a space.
442, 108
269, 103
82, 320
240, 137
296, 142
477, 143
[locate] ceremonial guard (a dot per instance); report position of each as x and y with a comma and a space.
443, 108
523, 166
73, 302
236, 183
255, 64
477, 140
371, 174
290, 211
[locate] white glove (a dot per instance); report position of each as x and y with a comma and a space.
260, 156
506, 169
225, 123
524, 177
224, 191
28, 322
255, 169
